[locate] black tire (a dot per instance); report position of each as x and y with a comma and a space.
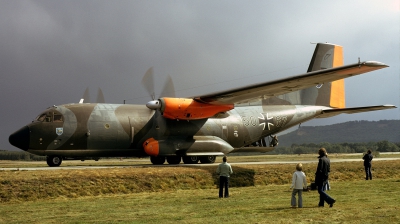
157, 160
190, 159
54, 161
207, 159
173, 159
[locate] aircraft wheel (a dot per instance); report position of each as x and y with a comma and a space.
207, 159
53, 161
157, 160
190, 159
173, 159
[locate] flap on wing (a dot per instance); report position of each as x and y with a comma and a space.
333, 112
286, 85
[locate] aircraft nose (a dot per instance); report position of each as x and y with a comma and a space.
20, 138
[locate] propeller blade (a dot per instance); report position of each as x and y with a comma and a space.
148, 82
168, 89
100, 97
85, 96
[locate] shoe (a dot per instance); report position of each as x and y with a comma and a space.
320, 206
331, 205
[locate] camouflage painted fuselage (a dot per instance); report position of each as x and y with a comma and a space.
114, 130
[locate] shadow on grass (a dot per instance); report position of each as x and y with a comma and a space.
287, 208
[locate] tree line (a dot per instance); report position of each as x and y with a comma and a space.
361, 147
19, 155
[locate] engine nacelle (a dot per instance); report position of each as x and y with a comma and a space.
186, 109
172, 147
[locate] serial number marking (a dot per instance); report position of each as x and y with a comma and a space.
247, 121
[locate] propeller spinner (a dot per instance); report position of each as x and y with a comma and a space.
167, 90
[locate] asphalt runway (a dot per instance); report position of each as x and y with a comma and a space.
181, 165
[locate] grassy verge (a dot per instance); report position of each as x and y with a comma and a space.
357, 202
16, 186
259, 194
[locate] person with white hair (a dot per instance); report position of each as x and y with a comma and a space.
299, 182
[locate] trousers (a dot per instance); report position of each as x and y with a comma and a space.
300, 199
368, 173
223, 183
323, 196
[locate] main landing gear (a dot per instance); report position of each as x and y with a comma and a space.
159, 160
54, 161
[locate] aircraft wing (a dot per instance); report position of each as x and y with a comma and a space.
333, 112
273, 88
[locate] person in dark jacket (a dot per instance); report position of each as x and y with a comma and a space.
367, 164
321, 178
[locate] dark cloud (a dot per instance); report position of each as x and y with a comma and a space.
51, 51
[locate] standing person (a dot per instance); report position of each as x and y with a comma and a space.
321, 178
274, 142
367, 164
224, 170
299, 182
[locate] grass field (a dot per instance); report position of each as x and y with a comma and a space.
357, 202
259, 194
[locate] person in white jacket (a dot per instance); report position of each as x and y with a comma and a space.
299, 182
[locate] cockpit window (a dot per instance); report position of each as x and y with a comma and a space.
58, 117
50, 117
41, 117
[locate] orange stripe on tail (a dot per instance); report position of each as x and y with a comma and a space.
337, 94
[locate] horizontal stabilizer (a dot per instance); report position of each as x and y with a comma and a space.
333, 112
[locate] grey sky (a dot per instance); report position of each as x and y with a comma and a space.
51, 51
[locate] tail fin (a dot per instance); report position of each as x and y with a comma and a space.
329, 94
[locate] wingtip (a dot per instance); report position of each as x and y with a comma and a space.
375, 64
390, 105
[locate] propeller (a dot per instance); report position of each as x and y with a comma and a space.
148, 82
100, 96
86, 96
167, 90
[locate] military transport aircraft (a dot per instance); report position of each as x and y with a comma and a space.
197, 128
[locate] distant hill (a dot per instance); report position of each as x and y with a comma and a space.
350, 132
